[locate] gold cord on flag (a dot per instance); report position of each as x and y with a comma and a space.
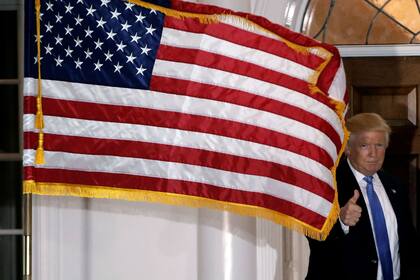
39, 120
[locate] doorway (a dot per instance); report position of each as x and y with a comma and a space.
390, 86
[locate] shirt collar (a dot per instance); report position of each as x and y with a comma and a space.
359, 176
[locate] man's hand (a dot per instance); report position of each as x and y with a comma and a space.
351, 212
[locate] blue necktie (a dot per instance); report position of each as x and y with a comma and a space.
381, 233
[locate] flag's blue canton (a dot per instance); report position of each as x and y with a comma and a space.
106, 42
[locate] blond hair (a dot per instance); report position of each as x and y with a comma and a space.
368, 122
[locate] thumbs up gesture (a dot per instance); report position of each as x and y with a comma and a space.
351, 212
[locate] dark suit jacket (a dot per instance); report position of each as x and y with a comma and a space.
353, 256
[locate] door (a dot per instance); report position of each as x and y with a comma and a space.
390, 86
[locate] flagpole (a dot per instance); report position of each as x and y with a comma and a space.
26, 198
27, 236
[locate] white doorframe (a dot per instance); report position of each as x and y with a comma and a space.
378, 50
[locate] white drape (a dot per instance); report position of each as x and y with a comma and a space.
90, 239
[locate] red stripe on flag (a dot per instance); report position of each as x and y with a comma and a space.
327, 76
188, 122
153, 151
180, 187
245, 38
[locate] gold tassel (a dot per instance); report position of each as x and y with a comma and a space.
39, 157
39, 120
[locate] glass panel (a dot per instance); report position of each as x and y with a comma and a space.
8, 51
378, 21
9, 117
10, 195
10, 257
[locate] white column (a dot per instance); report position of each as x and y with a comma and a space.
226, 246
296, 255
270, 246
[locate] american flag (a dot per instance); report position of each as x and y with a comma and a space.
192, 105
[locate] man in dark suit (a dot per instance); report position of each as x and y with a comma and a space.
374, 238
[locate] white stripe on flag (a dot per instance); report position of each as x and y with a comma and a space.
337, 89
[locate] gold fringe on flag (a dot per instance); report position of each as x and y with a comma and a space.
339, 106
59, 189
334, 213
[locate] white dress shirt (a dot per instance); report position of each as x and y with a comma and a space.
390, 219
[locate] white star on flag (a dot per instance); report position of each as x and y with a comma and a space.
118, 67
98, 65
140, 70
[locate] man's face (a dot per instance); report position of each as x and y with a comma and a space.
366, 151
